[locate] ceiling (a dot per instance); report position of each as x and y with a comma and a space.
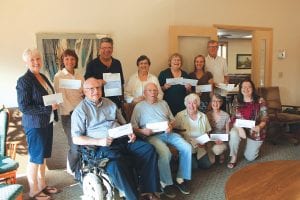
234, 34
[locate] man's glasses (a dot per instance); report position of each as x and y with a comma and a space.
93, 89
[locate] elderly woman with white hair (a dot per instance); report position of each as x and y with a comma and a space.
193, 124
219, 121
37, 121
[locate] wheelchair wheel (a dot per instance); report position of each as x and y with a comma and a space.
92, 188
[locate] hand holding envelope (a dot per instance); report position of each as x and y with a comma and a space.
50, 99
203, 139
120, 131
158, 126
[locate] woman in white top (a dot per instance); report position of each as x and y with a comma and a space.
134, 88
72, 95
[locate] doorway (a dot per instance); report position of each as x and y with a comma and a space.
185, 39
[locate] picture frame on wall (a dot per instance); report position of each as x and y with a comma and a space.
51, 46
243, 61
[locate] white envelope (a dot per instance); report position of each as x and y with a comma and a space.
203, 139
69, 84
52, 99
227, 87
203, 88
113, 84
222, 137
174, 81
158, 126
245, 123
120, 131
192, 82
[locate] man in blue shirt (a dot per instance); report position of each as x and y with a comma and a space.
91, 120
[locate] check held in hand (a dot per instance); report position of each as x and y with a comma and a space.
158, 126
120, 131
50, 99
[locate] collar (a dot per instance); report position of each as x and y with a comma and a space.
94, 103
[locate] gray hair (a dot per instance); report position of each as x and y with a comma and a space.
28, 52
192, 97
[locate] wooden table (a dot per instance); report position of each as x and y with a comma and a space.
267, 180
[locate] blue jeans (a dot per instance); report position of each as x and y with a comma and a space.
124, 156
160, 142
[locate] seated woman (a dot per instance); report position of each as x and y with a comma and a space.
219, 121
250, 107
193, 124
134, 88
204, 78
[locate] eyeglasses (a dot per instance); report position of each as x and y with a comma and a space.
212, 46
152, 90
93, 89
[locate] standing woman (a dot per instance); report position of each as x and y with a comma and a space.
72, 97
250, 107
37, 121
204, 78
174, 94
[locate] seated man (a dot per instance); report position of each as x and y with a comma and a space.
153, 110
91, 120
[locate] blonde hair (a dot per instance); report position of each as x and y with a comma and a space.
28, 52
174, 55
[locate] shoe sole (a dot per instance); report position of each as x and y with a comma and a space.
182, 191
169, 195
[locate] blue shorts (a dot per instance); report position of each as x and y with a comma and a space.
39, 141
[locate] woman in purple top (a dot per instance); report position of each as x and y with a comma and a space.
204, 78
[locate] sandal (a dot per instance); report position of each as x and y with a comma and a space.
49, 190
231, 165
40, 196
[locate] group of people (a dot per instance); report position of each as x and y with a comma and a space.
87, 115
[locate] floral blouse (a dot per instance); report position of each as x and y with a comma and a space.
256, 111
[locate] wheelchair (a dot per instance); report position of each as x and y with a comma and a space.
95, 181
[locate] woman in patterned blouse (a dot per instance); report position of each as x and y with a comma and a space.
250, 107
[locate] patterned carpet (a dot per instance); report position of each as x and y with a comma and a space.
206, 184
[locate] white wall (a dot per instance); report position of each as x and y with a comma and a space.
141, 27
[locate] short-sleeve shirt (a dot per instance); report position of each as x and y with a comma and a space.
175, 95
218, 67
218, 127
93, 120
96, 68
203, 81
145, 112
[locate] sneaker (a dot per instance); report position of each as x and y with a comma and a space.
167, 191
182, 187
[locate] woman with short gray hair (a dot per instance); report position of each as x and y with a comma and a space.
193, 124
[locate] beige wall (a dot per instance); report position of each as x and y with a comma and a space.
237, 46
141, 27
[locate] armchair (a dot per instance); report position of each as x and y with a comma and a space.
278, 115
8, 166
